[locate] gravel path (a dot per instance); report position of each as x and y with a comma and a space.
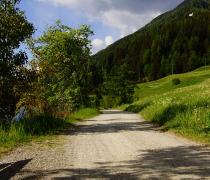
113, 145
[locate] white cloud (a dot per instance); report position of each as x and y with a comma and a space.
125, 21
123, 15
98, 44
73, 3
109, 40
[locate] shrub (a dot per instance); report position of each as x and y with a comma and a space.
176, 81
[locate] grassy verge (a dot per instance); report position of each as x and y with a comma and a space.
38, 128
84, 114
183, 108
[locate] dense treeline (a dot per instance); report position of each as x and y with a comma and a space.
172, 43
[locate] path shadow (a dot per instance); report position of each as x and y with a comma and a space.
115, 112
168, 163
114, 127
2, 166
79, 174
181, 160
9, 170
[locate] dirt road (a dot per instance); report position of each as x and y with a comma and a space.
114, 145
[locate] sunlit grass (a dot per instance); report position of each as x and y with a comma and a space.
85, 113
183, 108
165, 85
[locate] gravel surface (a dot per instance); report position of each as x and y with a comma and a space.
113, 145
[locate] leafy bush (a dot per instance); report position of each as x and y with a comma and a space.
63, 55
176, 81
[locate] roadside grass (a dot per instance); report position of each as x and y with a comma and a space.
84, 114
183, 108
39, 128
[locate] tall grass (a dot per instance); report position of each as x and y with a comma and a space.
12, 136
183, 108
27, 129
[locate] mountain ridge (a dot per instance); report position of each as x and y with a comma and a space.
193, 4
173, 42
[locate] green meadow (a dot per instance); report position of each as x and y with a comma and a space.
183, 108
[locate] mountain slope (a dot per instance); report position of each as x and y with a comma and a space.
172, 43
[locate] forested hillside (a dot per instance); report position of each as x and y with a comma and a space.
175, 42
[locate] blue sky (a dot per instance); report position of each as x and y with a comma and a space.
109, 19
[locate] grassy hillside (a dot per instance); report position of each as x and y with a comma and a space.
183, 108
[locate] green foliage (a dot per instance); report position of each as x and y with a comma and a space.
63, 57
117, 87
176, 81
14, 29
183, 109
165, 67
93, 101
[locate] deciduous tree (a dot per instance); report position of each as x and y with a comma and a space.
14, 29
63, 56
